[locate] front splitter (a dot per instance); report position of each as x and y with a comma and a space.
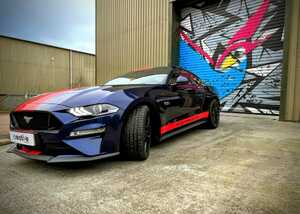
59, 158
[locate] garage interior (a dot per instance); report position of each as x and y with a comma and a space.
250, 164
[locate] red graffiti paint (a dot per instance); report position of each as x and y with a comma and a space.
196, 47
246, 33
249, 29
243, 35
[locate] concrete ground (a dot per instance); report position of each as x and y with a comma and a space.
248, 165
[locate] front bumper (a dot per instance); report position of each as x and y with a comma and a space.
60, 158
63, 146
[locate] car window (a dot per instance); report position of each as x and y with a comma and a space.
193, 79
154, 79
186, 77
182, 79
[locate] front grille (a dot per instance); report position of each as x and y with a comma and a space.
35, 120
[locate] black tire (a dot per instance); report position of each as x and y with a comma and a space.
214, 115
137, 134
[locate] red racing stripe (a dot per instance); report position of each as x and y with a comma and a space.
174, 125
33, 103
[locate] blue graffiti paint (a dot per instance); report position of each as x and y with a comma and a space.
223, 82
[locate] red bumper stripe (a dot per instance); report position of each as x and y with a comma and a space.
30, 152
174, 125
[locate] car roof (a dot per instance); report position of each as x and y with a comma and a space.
152, 71
161, 70
156, 70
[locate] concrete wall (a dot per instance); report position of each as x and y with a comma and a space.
131, 35
29, 68
290, 95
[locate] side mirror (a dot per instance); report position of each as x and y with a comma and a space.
172, 84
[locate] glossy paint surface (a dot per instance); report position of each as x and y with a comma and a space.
181, 101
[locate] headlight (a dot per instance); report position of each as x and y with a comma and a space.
94, 110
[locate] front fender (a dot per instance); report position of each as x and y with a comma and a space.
155, 114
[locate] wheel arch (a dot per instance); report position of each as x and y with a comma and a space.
209, 98
154, 114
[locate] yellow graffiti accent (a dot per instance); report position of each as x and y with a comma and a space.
228, 62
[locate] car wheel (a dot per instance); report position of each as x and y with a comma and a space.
137, 135
214, 115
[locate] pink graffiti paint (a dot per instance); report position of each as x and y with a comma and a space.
244, 35
196, 47
249, 29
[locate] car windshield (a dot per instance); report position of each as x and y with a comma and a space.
146, 77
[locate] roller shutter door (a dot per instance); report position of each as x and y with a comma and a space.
236, 47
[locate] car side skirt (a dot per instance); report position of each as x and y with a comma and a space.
183, 129
178, 124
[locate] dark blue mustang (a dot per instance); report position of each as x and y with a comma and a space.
124, 116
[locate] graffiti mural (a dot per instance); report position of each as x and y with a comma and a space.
237, 48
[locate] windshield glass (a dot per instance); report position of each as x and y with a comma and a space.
147, 77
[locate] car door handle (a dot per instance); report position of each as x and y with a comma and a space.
163, 99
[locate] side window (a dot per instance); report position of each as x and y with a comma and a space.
187, 79
195, 80
182, 79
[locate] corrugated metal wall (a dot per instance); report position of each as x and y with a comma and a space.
29, 68
236, 46
132, 34
290, 104
83, 69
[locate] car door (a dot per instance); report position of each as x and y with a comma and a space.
191, 90
180, 98
169, 102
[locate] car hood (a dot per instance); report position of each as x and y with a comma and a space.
78, 97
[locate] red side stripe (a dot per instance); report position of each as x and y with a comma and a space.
33, 103
174, 125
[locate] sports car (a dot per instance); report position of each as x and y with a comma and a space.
122, 117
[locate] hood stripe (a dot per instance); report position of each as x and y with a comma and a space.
35, 102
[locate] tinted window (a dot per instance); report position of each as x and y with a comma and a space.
191, 78
155, 79
182, 79
148, 77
